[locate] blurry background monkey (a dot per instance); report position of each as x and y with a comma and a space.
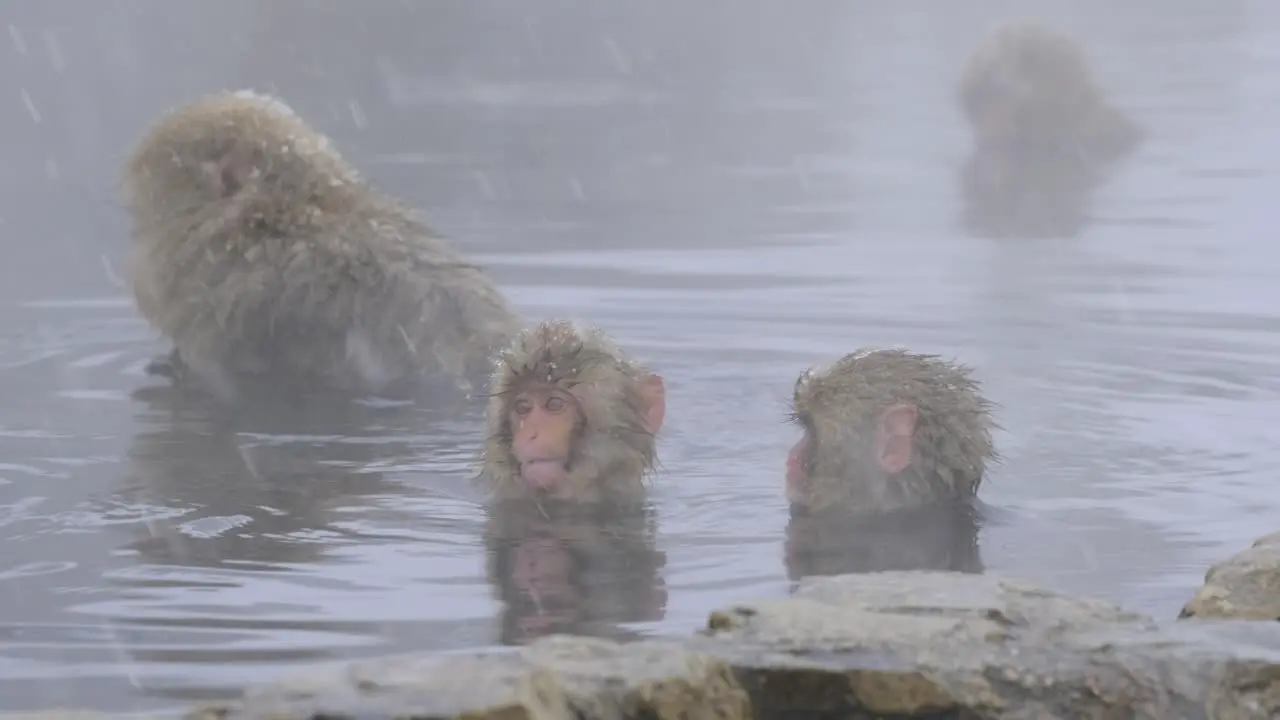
1043, 132
558, 569
885, 430
571, 416
269, 262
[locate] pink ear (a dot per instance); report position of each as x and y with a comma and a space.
895, 440
653, 395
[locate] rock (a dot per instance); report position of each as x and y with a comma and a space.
1245, 586
555, 677
884, 645
75, 714
964, 646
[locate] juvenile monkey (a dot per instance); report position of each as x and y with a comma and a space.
1043, 133
571, 417
266, 258
886, 430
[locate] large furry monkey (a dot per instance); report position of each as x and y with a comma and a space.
270, 263
1044, 134
887, 430
571, 417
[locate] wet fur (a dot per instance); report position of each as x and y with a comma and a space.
840, 407
262, 254
1057, 102
1065, 134
614, 450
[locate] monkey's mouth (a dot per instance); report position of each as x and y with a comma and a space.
544, 473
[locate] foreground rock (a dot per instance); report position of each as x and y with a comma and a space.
930, 645
892, 645
553, 678
1245, 586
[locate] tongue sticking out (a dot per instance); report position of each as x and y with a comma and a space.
543, 474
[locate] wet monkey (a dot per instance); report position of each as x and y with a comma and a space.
1044, 133
270, 263
570, 416
886, 430
1029, 86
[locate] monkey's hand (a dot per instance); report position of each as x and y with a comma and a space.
168, 365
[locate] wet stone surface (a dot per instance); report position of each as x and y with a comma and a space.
1245, 586
884, 645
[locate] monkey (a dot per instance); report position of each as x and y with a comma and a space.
571, 416
272, 264
887, 430
559, 567
1044, 133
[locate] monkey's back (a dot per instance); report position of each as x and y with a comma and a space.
359, 298
262, 253
1047, 81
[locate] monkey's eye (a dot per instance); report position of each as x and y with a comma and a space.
555, 404
522, 406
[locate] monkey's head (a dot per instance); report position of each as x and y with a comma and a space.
234, 157
1028, 84
885, 430
571, 417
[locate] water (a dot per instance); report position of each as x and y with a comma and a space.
735, 195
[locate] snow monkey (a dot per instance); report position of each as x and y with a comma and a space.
571, 417
268, 261
886, 430
1044, 133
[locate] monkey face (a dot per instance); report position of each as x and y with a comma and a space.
996, 123
544, 423
1001, 109
850, 451
799, 463
571, 417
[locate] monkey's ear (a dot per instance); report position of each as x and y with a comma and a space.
653, 397
895, 440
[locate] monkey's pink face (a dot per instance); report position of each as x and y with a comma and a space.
798, 470
544, 421
890, 454
996, 107
997, 123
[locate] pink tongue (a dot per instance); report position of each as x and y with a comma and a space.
542, 473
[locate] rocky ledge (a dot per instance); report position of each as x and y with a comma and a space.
884, 645
1245, 586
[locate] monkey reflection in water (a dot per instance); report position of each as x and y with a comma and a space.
1044, 135
566, 568
894, 446
572, 435
225, 491
274, 267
